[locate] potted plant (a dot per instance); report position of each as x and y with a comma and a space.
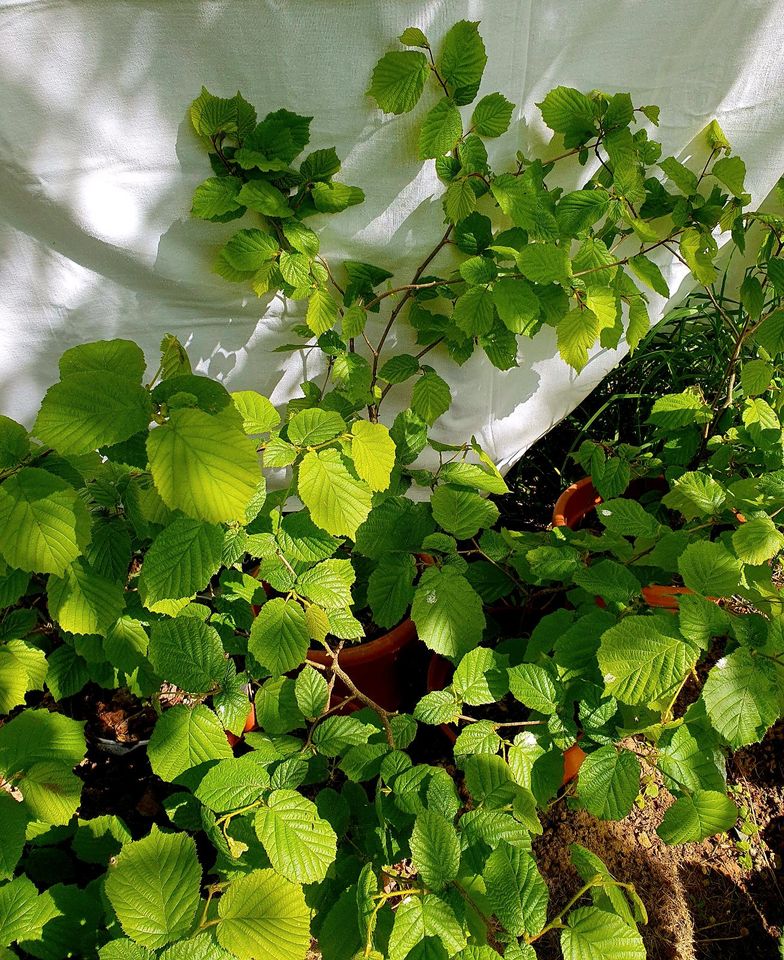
133, 511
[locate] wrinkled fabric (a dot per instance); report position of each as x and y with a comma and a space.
99, 165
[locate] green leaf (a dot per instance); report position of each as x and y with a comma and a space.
183, 738
399, 368
250, 249
702, 814
461, 512
740, 698
203, 466
544, 263
459, 200
337, 502
83, 602
121, 357
262, 197
99, 839
188, 653
757, 540
373, 453
234, 783
390, 589
691, 761
216, 198
591, 934
425, 916
533, 686
90, 410
696, 249
683, 178
23, 912
646, 270
398, 80
263, 917
770, 333
258, 414
181, 561
709, 569
609, 781
441, 129
328, 584
480, 678
577, 332
14, 443
695, 495
462, 61
644, 659
627, 517
579, 210
43, 523
153, 886
279, 637
300, 845
312, 692
413, 37
677, 410
610, 580
731, 171
67, 672
492, 115
435, 849
431, 397
755, 377
335, 197
473, 311
313, 426
567, 111
516, 890
322, 312
517, 304
12, 837
447, 612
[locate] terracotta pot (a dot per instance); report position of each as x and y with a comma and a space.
575, 503
439, 674
374, 667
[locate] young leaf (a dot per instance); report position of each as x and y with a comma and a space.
262, 916
373, 453
262, 197
591, 932
462, 61
544, 263
183, 738
314, 426
153, 886
312, 692
217, 197
187, 652
577, 332
398, 80
258, 414
567, 111
421, 917
430, 398
180, 561
459, 200
435, 849
337, 502
322, 312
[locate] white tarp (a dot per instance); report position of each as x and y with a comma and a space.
99, 164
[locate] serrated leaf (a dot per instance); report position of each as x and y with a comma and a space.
12, 837
373, 453
312, 692
740, 698
216, 197
183, 738
43, 523
644, 659
279, 637
608, 783
567, 111
262, 916
299, 843
627, 517
23, 912
646, 270
459, 200
234, 783
431, 397
697, 816
492, 115
334, 197
337, 502
591, 934
462, 512
322, 313
447, 612
709, 569
390, 589
435, 849
250, 249
261, 196
424, 916
188, 653
473, 311
516, 890
757, 540
533, 686
180, 561
314, 426
203, 466
398, 80
90, 410
577, 332
463, 58
441, 129
480, 677
517, 304
83, 602
755, 377
153, 887
695, 495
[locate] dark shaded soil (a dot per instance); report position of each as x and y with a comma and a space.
703, 904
